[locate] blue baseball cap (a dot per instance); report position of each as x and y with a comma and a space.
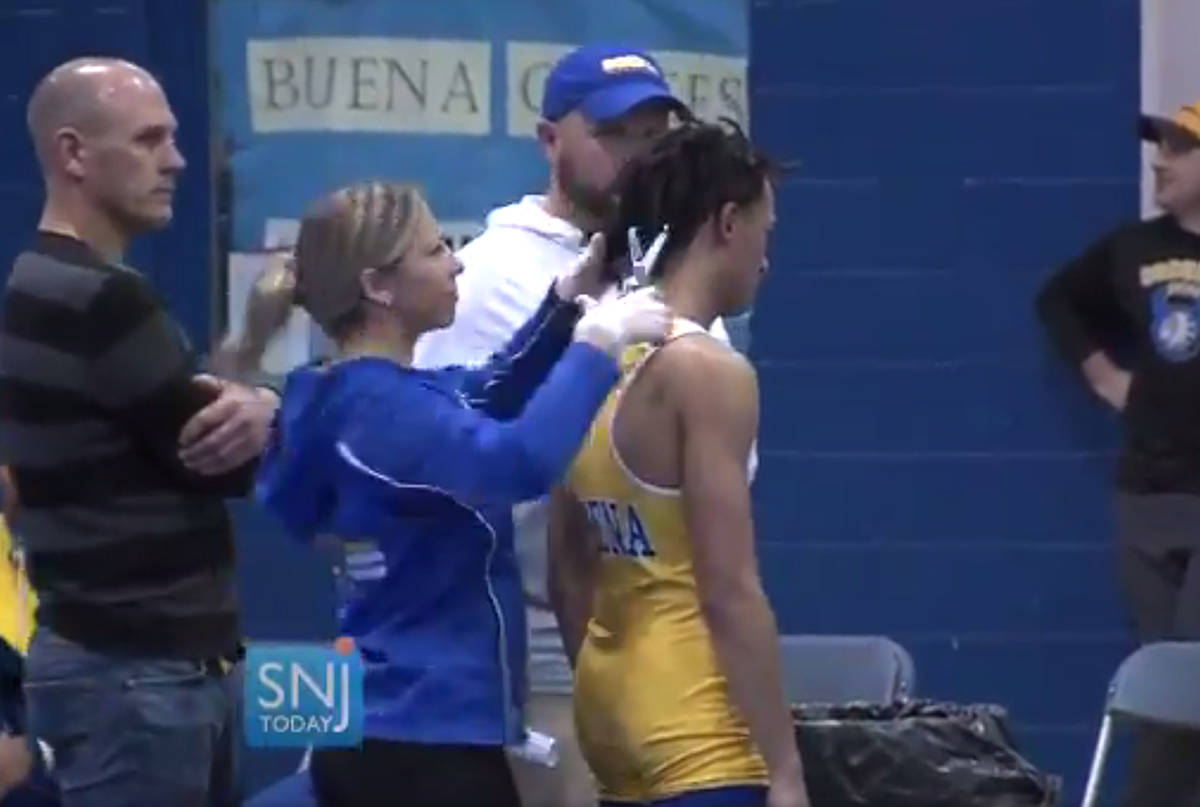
604, 82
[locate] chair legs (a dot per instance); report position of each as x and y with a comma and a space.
1096, 774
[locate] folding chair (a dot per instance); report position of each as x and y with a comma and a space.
1160, 684
845, 669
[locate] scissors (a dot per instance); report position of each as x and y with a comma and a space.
642, 263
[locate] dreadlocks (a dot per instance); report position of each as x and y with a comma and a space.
681, 182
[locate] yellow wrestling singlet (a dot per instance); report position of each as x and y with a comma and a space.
652, 708
17, 601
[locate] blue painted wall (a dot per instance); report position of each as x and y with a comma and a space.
930, 470
169, 38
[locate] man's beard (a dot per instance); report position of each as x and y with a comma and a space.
595, 205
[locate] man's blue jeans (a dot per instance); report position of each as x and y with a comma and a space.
134, 731
38, 790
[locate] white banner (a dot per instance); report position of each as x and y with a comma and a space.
368, 84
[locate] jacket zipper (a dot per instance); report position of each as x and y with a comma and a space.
502, 630
505, 673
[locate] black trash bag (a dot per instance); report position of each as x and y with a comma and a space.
916, 754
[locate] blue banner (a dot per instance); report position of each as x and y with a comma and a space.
317, 94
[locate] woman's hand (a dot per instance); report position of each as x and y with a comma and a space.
617, 322
586, 276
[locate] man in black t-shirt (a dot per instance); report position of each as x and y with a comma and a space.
1136, 292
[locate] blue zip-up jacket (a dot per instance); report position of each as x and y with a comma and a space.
416, 472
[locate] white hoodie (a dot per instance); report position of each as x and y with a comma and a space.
507, 271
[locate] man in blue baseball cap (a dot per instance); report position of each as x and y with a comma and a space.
602, 105
605, 82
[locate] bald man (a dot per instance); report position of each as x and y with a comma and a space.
122, 456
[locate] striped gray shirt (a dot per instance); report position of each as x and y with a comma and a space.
127, 549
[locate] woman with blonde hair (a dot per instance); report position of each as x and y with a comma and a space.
416, 472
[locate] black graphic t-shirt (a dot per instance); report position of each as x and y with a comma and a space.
1136, 294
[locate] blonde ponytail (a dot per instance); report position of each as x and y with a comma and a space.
268, 307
